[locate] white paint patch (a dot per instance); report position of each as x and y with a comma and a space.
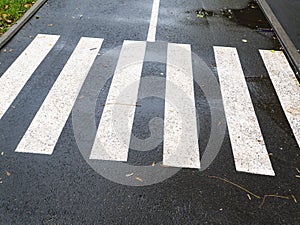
181, 147
16, 76
286, 85
248, 146
114, 132
153, 21
49, 121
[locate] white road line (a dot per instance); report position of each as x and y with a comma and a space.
181, 147
286, 85
114, 132
248, 146
16, 76
153, 21
45, 129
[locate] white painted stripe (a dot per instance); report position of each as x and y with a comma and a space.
181, 147
16, 76
49, 121
153, 21
286, 85
248, 146
114, 132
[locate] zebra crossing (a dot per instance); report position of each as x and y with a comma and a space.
248, 146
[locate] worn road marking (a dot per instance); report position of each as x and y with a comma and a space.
153, 21
114, 132
248, 146
16, 76
181, 147
49, 121
286, 86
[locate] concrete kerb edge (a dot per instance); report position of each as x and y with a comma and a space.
21, 22
289, 47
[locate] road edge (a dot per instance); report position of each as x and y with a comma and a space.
289, 47
21, 22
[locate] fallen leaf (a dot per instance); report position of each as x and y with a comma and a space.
273, 51
294, 198
4, 16
200, 16
153, 164
50, 25
294, 110
244, 40
139, 179
249, 196
5, 7
27, 5
164, 166
8, 173
129, 175
2, 153
297, 176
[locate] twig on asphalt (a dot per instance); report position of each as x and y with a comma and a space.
275, 196
236, 185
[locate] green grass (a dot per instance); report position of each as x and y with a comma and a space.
11, 11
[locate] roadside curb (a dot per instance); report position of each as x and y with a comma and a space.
20, 23
289, 47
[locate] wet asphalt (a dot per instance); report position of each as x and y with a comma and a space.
287, 14
64, 189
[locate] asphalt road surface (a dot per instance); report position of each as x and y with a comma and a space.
148, 112
287, 15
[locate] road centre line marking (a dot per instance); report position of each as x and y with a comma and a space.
114, 132
48, 123
181, 147
285, 84
153, 21
16, 76
248, 146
